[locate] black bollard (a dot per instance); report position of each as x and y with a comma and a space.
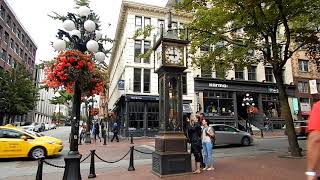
261, 133
131, 138
131, 166
40, 168
92, 168
104, 137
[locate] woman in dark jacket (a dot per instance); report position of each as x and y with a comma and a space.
194, 137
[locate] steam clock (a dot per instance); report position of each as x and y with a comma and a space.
170, 156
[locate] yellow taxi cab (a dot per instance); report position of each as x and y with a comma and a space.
17, 142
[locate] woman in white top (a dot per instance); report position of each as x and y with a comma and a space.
207, 134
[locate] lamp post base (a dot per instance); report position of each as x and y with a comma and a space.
171, 157
72, 167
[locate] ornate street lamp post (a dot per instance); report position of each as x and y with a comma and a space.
248, 102
80, 33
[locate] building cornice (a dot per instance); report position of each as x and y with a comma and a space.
17, 19
127, 6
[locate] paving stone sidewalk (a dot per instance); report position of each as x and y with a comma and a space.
260, 167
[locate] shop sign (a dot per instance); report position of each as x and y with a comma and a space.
273, 90
313, 86
121, 85
305, 108
218, 85
295, 105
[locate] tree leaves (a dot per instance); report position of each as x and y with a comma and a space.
18, 93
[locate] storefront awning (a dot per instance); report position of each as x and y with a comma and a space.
187, 108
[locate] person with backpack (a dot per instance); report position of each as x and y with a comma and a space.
207, 144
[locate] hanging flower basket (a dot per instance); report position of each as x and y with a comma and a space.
70, 66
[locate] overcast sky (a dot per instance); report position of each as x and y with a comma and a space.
33, 14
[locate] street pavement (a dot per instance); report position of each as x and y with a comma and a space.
259, 161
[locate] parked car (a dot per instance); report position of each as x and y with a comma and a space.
226, 134
17, 142
32, 127
300, 127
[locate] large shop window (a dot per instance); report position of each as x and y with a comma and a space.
146, 81
303, 65
137, 51
269, 74
184, 84
136, 113
153, 116
218, 103
238, 73
252, 73
137, 80
303, 87
271, 106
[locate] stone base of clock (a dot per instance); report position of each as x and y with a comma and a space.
171, 156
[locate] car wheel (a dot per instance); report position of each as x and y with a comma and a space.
245, 141
37, 152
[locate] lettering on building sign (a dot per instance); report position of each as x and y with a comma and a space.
218, 85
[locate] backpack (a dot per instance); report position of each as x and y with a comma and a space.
212, 138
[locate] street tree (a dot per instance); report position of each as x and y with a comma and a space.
18, 93
245, 32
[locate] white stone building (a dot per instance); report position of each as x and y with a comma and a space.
44, 109
133, 92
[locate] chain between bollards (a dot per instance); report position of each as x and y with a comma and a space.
131, 138
92, 167
40, 168
131, 165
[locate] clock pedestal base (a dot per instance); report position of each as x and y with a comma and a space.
171, 156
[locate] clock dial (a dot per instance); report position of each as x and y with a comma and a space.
173, 54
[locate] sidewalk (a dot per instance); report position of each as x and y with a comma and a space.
260, 167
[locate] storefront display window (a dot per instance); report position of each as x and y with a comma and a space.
271, 106
152, 116
136, 113
218, 103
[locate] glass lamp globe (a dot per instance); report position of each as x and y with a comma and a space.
75, 32
68, 25
247, 94
59, 44
251, 99
89, 26
92, 46
98, 35
253, 104
242, 104
247, 104
83, 11
100, 56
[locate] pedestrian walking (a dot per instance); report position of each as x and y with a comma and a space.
313, 143
194, 138
96, 131
115, 130
207, 136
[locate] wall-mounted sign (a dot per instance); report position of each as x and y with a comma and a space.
313, 86
295, 105
305, 108
273, 90
121, 85
218, 85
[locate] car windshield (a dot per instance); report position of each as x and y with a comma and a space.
32, 133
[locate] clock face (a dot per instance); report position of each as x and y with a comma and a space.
173, 54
